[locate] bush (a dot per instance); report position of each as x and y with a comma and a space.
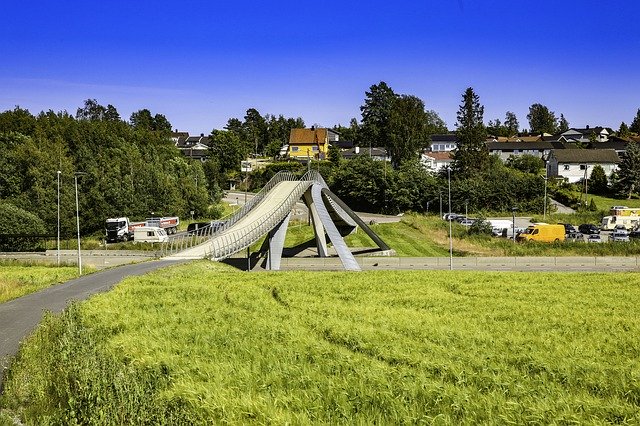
480, 227
14, 222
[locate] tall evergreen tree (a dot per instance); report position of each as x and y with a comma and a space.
635, 124
629, 170
376, 113
563, 124
472, 155
623, 131
598, 183
511, 123
541, 120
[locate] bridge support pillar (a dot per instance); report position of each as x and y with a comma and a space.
275, 239
318, 228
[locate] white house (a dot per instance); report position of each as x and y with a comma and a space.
444, 143
435, 161
576, 164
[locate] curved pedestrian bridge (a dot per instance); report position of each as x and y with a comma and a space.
268, 214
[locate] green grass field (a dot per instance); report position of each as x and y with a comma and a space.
205, 344
18, 279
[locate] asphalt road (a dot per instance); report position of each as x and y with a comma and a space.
20, 316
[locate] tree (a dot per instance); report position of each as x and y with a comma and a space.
408, 133
526, 163
541, 120
629, 170
495, 128
18, 120
563, 124
635, 124
227, 150
623, 131
143, 120
598, 183
91, 111
511, 123
256, 131
376, 113
472, 155
350, 133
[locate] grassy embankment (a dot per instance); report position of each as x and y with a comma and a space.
21, 278
202, 343
426, 236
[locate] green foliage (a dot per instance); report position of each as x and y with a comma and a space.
471, 156
408, 131
128, 170
526, 163
376, 114
541, 120
481, 227
629, 171
563, 124
624, 131
16, 221
635, 124
598, 183
204, 344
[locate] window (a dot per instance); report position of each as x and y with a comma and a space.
149, 233
583, 167
295, 149
315, 148
566, 167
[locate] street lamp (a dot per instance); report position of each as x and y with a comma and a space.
58, 239
546, 177
450, 232
75, 178
466, 204
513, 229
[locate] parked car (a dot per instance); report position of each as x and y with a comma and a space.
452, 216
574, 237
588, 229
197, 228
467, 222
619, 228
634, 234
568, 228
594, 238
619, 236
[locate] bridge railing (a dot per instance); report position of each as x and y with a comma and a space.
200, 236
238, 239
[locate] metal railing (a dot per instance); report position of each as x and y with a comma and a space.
224, 243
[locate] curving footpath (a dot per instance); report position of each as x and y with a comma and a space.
20, 316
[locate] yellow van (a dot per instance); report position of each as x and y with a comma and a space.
542, 232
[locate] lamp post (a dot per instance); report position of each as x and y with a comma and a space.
513, 229
75, 178
466, 204
58, 239
586, 167
450, 232
546, 177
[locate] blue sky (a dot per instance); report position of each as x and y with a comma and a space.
202, 62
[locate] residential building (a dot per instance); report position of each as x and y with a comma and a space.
378, 154
540, 149
436, 161
444, 142
194, 147
574, 135
310, 143
576, 164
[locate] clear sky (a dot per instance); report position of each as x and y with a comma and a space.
202, 62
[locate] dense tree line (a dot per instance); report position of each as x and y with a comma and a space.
124, 168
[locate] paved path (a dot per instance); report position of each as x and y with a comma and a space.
20, 316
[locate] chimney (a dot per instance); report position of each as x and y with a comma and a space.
587, 127
202, 135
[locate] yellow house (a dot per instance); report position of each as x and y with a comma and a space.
310, 143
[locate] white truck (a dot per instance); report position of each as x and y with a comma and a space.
150, 234
501, 227
120, 229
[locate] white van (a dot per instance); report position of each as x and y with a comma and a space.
150, 234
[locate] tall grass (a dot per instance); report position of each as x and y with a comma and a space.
20, 278
202, 343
